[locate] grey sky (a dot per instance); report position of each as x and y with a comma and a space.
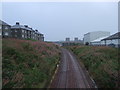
63, 19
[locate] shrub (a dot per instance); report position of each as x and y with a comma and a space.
27, 63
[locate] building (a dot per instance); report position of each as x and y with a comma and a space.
97, 42
25, 32
76, 39
5, 29
67, 40
89, 37
19, 31
112, 40
39, 36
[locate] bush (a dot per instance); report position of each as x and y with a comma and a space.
28, 64
87, 43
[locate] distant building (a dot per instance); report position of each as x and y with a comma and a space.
112, 40
5, 29
67, 40
76, 39
25, 32
97, 42
94, 35
39, 36
19, 31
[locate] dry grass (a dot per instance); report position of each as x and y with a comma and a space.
101, 62
28, 63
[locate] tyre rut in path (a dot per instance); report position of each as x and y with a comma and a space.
70, 74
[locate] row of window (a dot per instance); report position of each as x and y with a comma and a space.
24, 36
6, 33
6, 28
24, 31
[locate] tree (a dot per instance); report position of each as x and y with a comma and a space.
87, 43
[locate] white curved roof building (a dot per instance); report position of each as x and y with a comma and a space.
91, 36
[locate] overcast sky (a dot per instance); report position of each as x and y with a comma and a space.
63, 19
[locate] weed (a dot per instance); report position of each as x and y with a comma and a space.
28, 64
101, 62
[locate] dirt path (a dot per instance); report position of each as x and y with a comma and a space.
70, 74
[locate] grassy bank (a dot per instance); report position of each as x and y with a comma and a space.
101, 62
28, 64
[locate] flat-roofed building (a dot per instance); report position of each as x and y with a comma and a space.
76, 39
98, 41
94, 35
67, 39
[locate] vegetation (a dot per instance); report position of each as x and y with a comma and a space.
28, 64
101, 62
31, 39
87, 43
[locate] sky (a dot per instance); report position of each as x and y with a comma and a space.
58, 20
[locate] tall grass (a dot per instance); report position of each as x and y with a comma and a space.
28, 64
101, 62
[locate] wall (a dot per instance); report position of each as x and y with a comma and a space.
86, 38
99, 34
6, 29
95, 35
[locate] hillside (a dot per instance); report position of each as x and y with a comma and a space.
28, 64
101, 62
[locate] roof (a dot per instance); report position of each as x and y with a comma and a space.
39, 33
22, 27
114, 36
3, 23
99, 39
97, 32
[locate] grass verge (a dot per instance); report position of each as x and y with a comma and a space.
28, 64
101, 62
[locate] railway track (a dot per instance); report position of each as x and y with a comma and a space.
70, 74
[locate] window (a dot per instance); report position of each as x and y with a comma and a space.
0, 27
22, 31
25, 31
23, 36
6, 27
15, 30
6, 33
